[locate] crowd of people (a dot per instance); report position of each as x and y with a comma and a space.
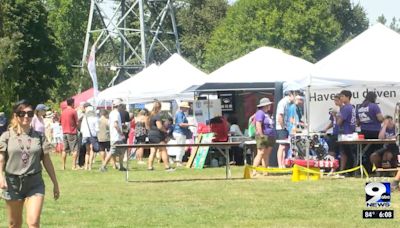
345, 118
84, 132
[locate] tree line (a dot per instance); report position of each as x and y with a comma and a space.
41, 40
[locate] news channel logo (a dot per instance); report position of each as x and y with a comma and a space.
377, 194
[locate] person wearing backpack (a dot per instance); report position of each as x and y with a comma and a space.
251, 129
265, 134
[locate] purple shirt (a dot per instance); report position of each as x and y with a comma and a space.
348, 115
390, 132
367, 117
266, 122
335, 127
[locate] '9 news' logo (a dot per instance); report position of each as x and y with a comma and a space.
377, 194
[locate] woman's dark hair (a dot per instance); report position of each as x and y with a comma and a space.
369, 98
215, 120
18, 106
346, 93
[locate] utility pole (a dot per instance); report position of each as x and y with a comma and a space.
129, 31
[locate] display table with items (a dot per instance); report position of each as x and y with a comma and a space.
318, 156
362, 145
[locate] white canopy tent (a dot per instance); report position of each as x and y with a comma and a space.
172, 77
266, 64
369, 60
124, 89
373, 55
164, 82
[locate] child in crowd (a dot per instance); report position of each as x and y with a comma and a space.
169, 125
57, 133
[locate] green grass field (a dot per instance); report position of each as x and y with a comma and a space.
203, 198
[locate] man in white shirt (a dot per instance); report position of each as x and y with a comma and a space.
281, 125
116, 137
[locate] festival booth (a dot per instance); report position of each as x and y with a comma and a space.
366, 63
372, 58
241, 83
319, 94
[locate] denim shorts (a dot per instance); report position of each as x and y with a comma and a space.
21, 187
104, 146
282, 134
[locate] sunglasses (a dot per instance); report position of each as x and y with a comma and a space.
23, 113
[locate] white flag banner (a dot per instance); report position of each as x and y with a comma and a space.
91, 64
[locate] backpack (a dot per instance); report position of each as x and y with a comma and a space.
251, 130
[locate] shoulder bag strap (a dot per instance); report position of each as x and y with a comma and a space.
87, 123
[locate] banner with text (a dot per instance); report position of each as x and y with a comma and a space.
322, 99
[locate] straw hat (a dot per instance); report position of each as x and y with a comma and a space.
49, 114
264, 102
184, 104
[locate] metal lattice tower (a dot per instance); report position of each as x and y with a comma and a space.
133, 31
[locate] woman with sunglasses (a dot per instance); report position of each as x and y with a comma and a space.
21, 154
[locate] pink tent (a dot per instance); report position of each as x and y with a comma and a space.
81, 97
